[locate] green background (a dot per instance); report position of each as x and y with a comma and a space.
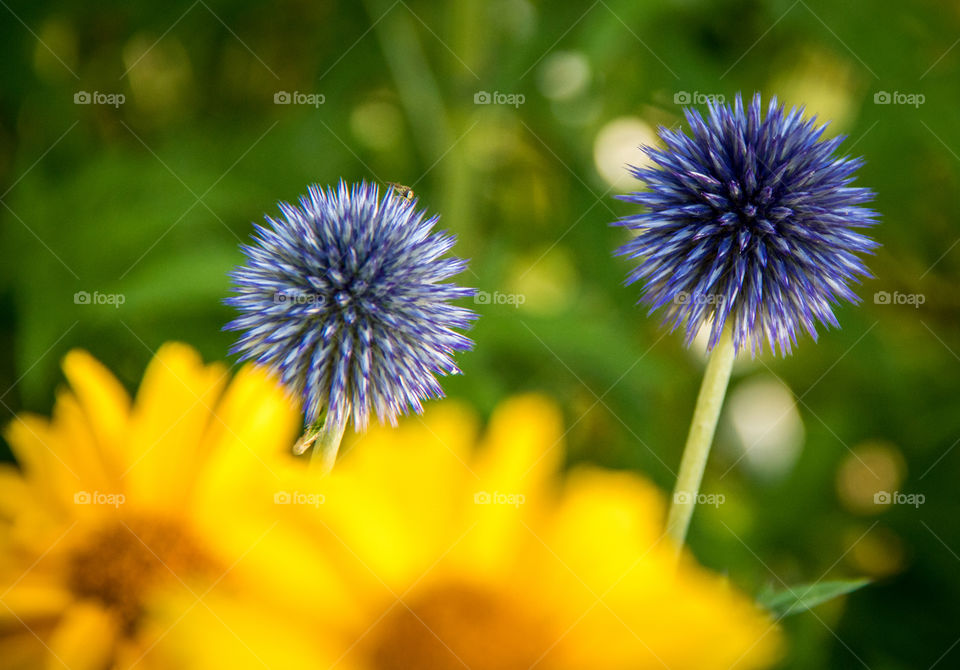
150, 199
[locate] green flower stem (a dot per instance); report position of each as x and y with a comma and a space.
702, 428
325, 440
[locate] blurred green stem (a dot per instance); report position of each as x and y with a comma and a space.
434, 131
325, 440
417, 88
700, 437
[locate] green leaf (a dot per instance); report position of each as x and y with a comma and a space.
802, 597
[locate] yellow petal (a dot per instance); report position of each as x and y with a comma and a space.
516, 466
20, 649
77, 445
103, 399
76, 451
616, 515
256, 423
15, 494
230, 633
607, 537
394, 484
173, 409
31, 598
281, 559
440, 440
523, 448
36, 448
84, 640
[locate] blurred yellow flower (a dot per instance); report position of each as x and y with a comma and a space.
119, 500
437, 555
176, 531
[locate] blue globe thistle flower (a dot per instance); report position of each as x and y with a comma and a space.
750, 219
343, 297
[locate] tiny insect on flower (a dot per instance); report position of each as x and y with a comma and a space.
345, 297
401, 191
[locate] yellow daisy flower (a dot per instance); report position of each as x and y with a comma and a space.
446, 556
117, 500
176, 531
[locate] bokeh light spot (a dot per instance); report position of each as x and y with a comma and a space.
377, 124
617, 146
870, 471
564, 75
765, 418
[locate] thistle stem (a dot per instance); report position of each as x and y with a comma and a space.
700, 437
325, 440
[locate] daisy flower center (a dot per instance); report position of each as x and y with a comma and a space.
120, 562
457, 625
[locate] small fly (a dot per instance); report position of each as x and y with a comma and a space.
401, 191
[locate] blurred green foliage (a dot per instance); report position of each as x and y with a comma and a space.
150, 199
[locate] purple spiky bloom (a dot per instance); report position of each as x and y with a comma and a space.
752, 219
343, 297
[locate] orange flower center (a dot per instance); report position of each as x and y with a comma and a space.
459, 625
122, 561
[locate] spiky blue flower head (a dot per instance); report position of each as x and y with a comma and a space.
345, 297
750, 219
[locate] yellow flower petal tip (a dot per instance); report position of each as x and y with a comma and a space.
527, 418
523, 447
79, 364
84, 638
105, 401
172, 353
